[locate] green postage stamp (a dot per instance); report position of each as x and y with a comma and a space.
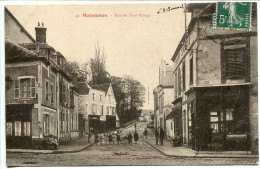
233, 15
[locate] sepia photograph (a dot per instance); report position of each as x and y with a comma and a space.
131, 84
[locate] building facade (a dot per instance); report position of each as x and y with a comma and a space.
37, 89
97, 108
163, 96
215, 80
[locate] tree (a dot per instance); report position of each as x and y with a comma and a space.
71, 67
83, 71
98, 67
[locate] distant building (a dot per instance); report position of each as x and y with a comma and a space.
97, 108
163, 95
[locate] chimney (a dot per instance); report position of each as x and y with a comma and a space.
40, 33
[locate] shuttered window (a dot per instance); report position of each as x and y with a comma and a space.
25, 88
179, 81
191, 70
33, 93
16, 89
175, 85
235, 63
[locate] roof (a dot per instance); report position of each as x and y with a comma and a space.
31, 46
83, 88
16, 53
103, 87
18, 23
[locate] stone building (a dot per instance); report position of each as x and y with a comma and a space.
97, 108
215, 77
37, 88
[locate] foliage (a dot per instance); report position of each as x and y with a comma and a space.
98, 67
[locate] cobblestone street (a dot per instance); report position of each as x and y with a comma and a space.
123, 154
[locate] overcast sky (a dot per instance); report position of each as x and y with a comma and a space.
134, 45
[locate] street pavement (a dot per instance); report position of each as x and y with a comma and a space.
123, 154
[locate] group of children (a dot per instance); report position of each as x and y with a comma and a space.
112, 138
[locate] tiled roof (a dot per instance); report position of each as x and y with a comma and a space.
103, 87
11, 50
31, 46
83, 88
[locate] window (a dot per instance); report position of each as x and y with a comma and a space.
175, 86
109, 98
52, 94
17, 128
107, 110
86, 108
94, 108
235, 64
179, 81
102, 111
24, 88
16, 89
47, 90
94, 96
63, 121
9, 128
101, 98
46, 124
183, 76
214, 122
191, 70
26, 128
67, 120
71, 121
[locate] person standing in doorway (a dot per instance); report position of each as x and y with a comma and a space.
161, 136
156, 136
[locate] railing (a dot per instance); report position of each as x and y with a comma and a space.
129, 123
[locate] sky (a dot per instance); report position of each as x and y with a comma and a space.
135, 37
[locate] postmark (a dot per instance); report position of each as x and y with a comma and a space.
233, 15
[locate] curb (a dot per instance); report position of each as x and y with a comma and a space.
195, 156
53, 151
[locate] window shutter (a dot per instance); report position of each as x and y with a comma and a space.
235, 63
33, 94
16, 89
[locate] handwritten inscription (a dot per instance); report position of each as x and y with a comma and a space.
163, 10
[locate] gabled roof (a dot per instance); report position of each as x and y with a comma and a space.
83, 88
18, 23
103, 87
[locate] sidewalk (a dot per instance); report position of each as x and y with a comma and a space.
168, 150
71, 147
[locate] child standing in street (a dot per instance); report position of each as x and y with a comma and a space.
96, 139
130, 137
136, 138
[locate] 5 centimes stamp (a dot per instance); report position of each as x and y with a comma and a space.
233, 15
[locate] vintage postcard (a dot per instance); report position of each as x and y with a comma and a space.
136, 84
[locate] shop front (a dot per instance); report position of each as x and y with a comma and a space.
219, 119
18, 126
